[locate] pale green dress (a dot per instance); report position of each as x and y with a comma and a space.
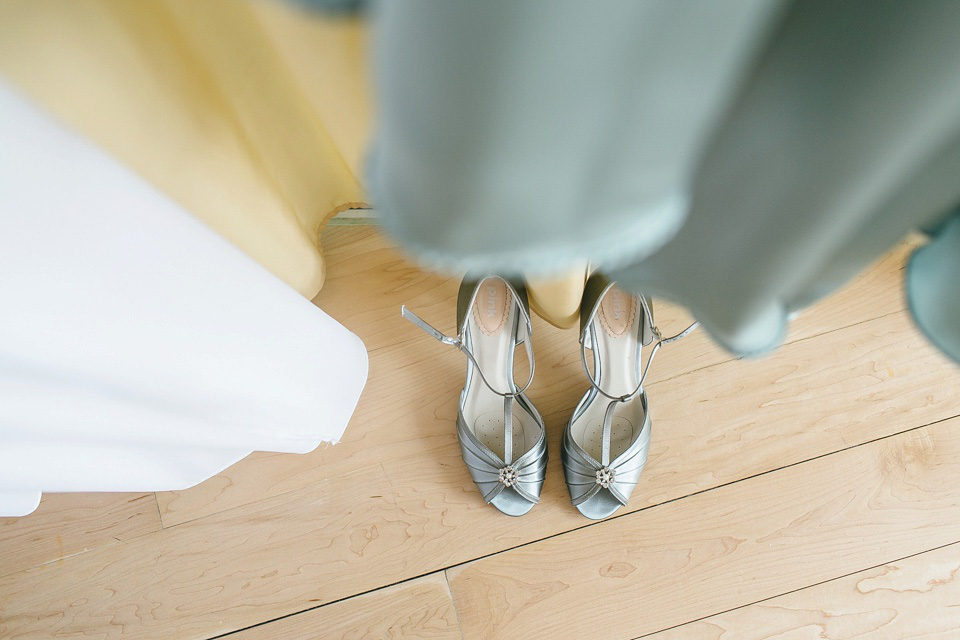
741, 157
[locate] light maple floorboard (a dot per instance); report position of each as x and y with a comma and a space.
217, 574
69, 523
280, 534
407, 368
917, 597
419, 608
725, 548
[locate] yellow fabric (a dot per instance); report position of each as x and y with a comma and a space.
328, 59
202, 98
254, 116
557, 299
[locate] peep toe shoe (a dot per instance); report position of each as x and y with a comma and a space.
605, 443
501, 434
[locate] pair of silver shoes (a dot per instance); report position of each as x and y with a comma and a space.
502, 435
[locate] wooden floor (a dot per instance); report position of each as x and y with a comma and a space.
814, 493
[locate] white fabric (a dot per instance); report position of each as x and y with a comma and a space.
139, 351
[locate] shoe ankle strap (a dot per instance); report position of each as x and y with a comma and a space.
457, 342
658, 342
508, 397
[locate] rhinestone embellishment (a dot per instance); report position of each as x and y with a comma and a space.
606, 477
508, 476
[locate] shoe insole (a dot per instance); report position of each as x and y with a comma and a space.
615, 334
490, 326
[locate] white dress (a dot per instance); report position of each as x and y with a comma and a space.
139, 351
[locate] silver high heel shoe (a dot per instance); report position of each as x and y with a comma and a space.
606, 441
501, 434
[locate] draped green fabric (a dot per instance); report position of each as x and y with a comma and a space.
933, 291
742, 157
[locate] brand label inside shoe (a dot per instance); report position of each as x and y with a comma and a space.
617, 312
490, 308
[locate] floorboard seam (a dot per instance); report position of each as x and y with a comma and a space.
453, 603
326, 604
651, 386
600, 522
809, 586
785, 344
156, 502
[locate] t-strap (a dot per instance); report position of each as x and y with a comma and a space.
508, 396
608, 414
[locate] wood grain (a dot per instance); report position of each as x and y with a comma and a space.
708, 553
218, 574
280, 534
413, 378
420, 608
851, 386
918, 597
69, 523
417, 513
